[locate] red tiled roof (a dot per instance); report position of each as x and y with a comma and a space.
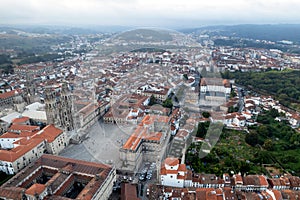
20, 120
21, 127
277, 194
96, 175
182, 167
263, 181
17, 152
35, 189
11, 192
141, 132
49, 133
22, 134
171, 161
129, 192
206, 194
6, 95
238, 178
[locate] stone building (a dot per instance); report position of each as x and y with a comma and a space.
146, 142
59, 107
55, 177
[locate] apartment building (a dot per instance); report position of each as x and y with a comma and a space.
23, 144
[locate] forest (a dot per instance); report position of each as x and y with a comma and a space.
284, 86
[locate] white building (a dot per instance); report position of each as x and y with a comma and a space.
173, 173
24, 144
215, 85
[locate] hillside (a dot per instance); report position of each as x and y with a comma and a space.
274, 32
145, 35
283, 85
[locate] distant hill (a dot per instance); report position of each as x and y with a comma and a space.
149, 50
274, 32
146, 35
68, 30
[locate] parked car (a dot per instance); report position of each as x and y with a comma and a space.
142, 177
149, 176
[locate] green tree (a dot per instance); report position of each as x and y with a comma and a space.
274, 113
152, 100
268, 145
202, 129
263, 130
167, 103
206, 114
252, 138
233, 93
232, 109
185, 76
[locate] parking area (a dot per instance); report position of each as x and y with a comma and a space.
146, 176
147, 172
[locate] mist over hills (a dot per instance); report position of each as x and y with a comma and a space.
67, 30
272, 32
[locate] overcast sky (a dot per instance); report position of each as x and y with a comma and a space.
168, 13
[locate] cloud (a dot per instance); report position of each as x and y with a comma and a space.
148, 12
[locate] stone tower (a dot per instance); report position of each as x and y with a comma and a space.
66, 114
51, 105
58, 106
30, 89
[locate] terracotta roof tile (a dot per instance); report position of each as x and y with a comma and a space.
21, 127
35, 189
24, 146
49, 133
171, 161
9, 94
12, 192
142, 132
20, 120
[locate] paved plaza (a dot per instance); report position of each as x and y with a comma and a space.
102, 144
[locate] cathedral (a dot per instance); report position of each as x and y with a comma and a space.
59, 107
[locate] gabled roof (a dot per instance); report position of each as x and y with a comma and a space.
9, 94
49, 133
12, 192
35, 189
21, 127
23, 147
171, 161
20, 120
